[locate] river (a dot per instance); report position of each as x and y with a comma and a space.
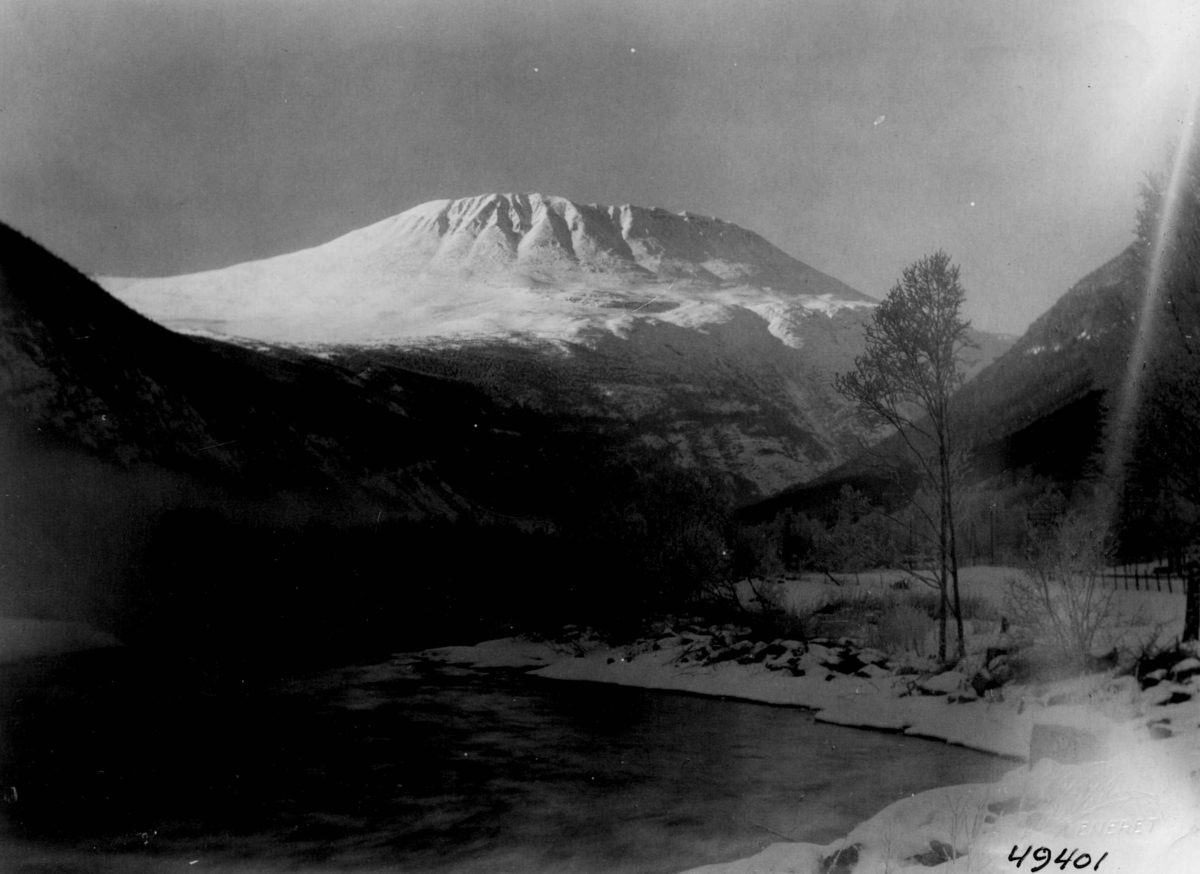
123, 763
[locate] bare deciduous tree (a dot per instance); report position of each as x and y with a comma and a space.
911, 367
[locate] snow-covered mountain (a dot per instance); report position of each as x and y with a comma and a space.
701, 333
526, 266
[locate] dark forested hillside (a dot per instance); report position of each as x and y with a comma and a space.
177, 490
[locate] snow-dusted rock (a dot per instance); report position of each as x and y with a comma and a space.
505, 652
943, 684
1187, 666
822, 654
1168, 692
871, 656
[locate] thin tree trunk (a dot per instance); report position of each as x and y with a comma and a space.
942, 618
1191, 611
949, 507
958, 618
943, 546
942, 585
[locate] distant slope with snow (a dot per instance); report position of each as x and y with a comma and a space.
703, 334
528, 266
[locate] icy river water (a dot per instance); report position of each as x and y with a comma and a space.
123, 764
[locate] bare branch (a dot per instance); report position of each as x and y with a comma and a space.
912, 364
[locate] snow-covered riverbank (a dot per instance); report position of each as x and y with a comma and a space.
1110, 768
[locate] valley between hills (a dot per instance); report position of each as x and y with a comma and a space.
462, 437
512, 414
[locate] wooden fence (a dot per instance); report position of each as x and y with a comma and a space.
1159, 575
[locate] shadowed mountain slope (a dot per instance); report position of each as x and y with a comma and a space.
174, 488
83, 371
181, 490
1038, 409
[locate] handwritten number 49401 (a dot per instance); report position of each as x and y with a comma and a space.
1042, 854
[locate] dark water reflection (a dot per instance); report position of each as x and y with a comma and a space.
123, 764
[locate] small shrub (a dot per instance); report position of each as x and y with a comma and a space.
1063, 597
926, 601
847, 612
903, 628
859, 604
973, 606
978, 607
776, 619
757, 550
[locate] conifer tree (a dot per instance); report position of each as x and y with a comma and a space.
1165, 458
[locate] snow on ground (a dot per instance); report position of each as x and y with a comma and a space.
1111, 774
1134, 809
22, 638
509, 652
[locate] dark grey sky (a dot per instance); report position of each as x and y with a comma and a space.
152, 138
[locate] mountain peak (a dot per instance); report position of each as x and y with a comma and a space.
535, 231
515, 264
